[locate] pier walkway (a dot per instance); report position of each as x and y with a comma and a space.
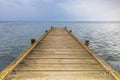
58, 55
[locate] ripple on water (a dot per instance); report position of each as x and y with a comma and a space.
104, 38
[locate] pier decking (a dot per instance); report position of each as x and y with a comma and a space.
58, 55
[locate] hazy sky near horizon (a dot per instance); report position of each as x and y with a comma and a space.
59, 10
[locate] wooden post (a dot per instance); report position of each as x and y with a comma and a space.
87, 42
51, 27
32, 41
70, 30
46, 31
65, 27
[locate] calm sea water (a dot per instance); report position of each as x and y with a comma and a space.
104, 38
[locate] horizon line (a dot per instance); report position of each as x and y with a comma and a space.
57, 21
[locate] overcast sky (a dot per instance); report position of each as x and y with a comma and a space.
59, 10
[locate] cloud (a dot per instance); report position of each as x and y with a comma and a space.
92, 9
29, 10
60, 10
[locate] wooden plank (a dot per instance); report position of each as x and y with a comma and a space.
81, 75
61, 61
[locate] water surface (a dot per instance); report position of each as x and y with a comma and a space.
104, 38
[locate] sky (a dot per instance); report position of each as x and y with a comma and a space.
59, 10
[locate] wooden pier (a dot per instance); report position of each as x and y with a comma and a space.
58, 55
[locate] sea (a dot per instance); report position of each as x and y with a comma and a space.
104, 37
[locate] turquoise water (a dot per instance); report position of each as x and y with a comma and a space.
104, 38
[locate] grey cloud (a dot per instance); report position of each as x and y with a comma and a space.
57, 9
